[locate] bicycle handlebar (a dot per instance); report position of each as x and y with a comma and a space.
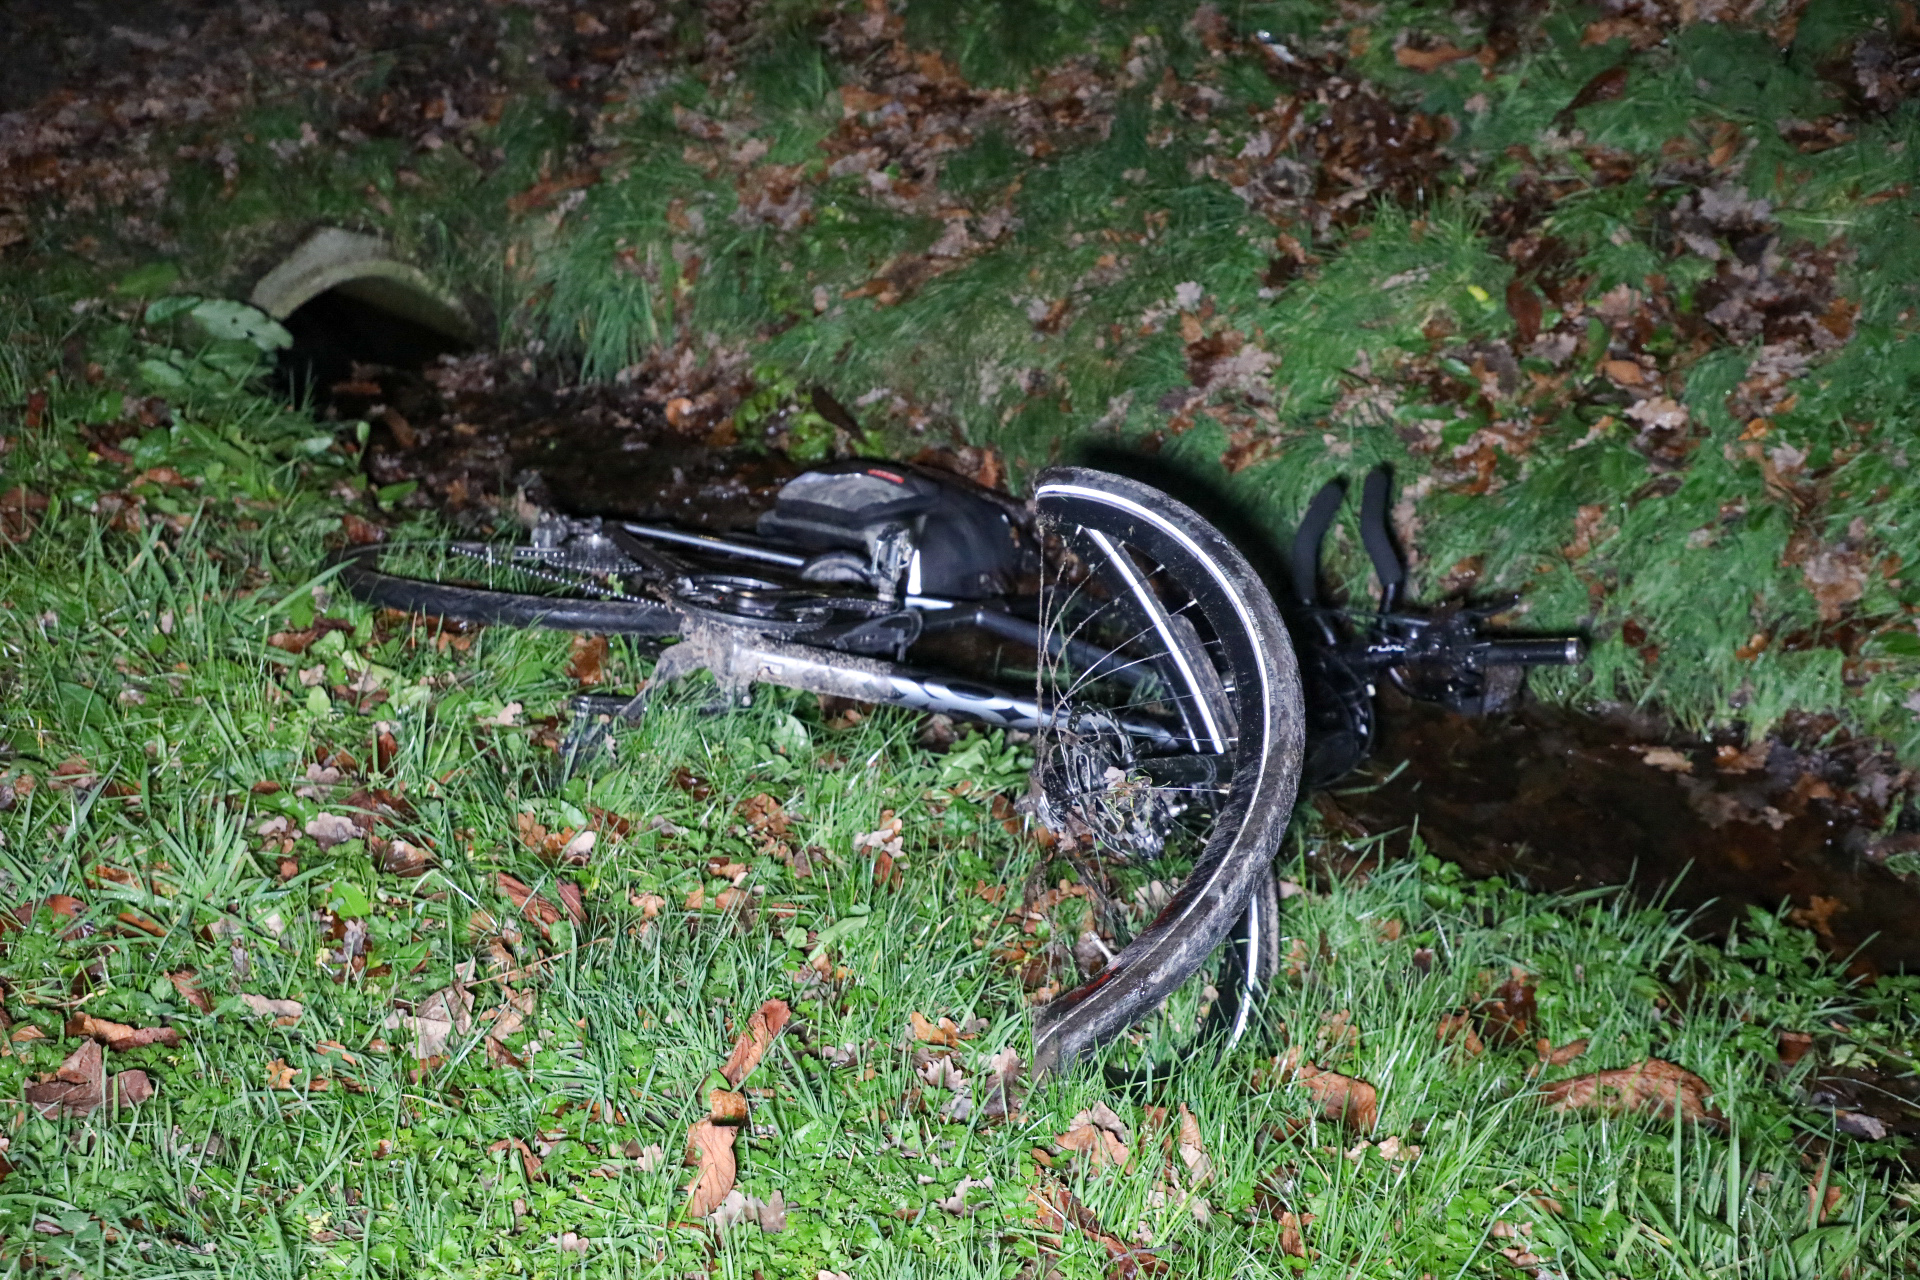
1556, 651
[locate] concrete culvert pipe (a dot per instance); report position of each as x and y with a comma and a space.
347, 300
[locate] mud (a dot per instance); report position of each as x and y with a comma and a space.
487, 442
1563, 800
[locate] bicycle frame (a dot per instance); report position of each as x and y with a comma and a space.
739, 659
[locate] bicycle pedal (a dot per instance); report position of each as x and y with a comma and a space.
590, 735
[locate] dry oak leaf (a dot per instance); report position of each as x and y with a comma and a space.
280, 1075
1665, 758
82, 1084
1099, 1133
1793, 1046
1506, 1016
528, 1160
1349, 1100
1193, 1152
709, 1146
435, 1019
526, 901
926, 1031
572, 901
1653, 1086
118, 1036
1292, 1242
329, 829
766, 1023
1058, 1209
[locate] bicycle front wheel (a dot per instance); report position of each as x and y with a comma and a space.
1171, 743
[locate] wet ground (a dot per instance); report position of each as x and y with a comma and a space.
1564, 800
488, 439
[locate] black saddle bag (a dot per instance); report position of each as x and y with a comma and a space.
967, 543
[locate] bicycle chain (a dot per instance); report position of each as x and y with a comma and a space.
580, 582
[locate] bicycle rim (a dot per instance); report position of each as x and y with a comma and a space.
1154, 615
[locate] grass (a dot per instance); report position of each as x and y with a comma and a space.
324, 1147
1083, 227
143, 699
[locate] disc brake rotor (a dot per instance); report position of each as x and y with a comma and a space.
1088, 787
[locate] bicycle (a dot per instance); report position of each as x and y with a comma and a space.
1112, 623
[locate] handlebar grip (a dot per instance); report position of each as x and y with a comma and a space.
1560, 651
1377, 538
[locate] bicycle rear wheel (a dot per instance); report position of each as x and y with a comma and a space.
495, 584
1151, 616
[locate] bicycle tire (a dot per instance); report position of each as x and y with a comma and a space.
1267, 751
365, 581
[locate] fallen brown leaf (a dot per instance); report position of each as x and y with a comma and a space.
1605, 87
81, 1084
131, 1088
280, 1075
1625, 372
1794, 1046
527, 902
1424, 60
1346, 1099
1003, 1093
545, 192
926, 1031
284, 1012
528, 1160
1459, 1027
1652, 1086
1665, 758
118, 1036
1190, 1149
1292, 1242
1560, 1057
1100, 1134
437, 1018
587, 659
1821, 1206
772, 1213
1393, 1149
399, 858
20, 510
710, 1147
726, 1107
1506, 1017
1058, 1209
572, 901
753, 1043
